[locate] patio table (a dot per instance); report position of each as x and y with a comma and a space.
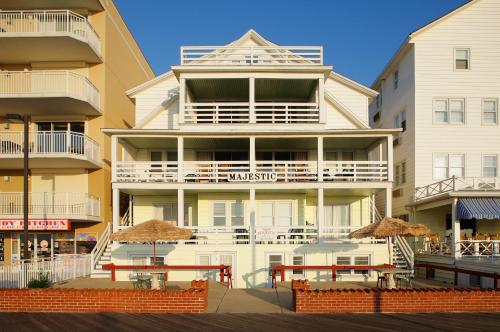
390, 272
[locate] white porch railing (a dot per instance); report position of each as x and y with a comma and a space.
214, 113
286, 112
340, 233
355, 171
58, 269
251, 56
50, 204
100, 247
213, 171
54, 83
44, 143
48, 23
289, 171
457, 184
146, 171
480, 247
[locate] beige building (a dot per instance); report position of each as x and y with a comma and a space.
443, 87
68, 65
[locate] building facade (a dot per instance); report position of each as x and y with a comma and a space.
262, 151
442, 87
66, 65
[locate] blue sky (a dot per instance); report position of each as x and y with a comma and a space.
358, 36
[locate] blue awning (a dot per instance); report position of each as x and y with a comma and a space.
478, 207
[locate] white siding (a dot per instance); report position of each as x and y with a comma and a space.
151, 98
352, 99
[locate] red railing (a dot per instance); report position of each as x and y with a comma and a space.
456, 270
281, 269
224, 270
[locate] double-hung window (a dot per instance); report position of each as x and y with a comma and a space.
400, 173
358, 260
490, 111
462, 58
400, 120
396, 79
490, 165
449, 110
228, 213
447, 165
275, 213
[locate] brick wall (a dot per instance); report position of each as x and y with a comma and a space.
398, 300
105, 300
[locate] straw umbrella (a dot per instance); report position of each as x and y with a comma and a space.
152, 231
388, 227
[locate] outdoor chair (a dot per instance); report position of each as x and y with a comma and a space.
407, 279
142, 281
381, 279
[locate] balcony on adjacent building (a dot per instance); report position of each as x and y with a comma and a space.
48, 93
64, 205
47, 35
63, 149
460, 183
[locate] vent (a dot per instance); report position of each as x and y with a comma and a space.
397, 193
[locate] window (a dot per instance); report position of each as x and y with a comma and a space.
449, 111
219, 214
237, 213
462, 59
274, 260
490, 163
337, 215
400, 120
228, 213
343, 260
275, 213
167, 212
400, 173
298, 260
490, 111
447, 165
396, 79
353, 260
361, 260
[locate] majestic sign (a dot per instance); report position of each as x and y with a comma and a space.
265, 234
36, 224
252, 177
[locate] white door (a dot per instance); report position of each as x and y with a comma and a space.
283, 214
228, 259
272, 260
266, 214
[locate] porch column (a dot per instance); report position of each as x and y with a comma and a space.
252, 154
321, 101
180, 207
251, 101
320, 159
455, 227
114, 157
390, 158
252, 216
182, 99
180, 159
116, 209
388, 202
320, 222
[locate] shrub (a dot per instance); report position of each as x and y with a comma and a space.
42, 281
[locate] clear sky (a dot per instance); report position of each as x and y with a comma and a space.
358, 36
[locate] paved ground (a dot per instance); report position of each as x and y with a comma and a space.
20, 322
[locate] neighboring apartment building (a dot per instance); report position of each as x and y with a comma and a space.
263, 152
443, 87
67, 64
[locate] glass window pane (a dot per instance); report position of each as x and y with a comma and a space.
283, 213
440, 173
299, 261
343, 260
462, 54
341, 215
361, 260
237, 213
490, 161
457, 160
441, 160
219, 216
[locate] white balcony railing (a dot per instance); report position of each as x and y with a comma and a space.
47, 143
286, 112
49, 23
227, 171
251, 56
216, 113
480, 247
457, 184
50, 204
54, 83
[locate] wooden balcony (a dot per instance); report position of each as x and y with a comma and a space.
457, 184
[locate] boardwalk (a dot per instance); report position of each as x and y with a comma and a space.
20, 322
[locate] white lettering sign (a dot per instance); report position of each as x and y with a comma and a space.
36, 224
265, 234
252, 177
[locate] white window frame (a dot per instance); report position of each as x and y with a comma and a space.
291, 259
227, 212
449, 100
496, 112
483, 163
448, 155
275, 208
455, 50
352, 261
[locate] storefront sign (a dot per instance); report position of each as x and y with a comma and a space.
265, 234
36, 224
252, 177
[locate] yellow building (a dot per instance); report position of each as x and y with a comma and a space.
68, 65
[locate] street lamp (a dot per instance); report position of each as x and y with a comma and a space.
17, 118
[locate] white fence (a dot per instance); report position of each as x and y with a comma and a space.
457, 184
59, 268
251, 56
50, 204
45, 143
216, 113
49, 23
53, 83
355, 171
286, 112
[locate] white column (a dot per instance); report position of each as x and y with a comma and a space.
116, 209
388, 202
321, 101
252, 216
320, 215
455, 227
180, 207
114, 157
390, 158
320, 159
180, 159
252, 154
182, 99
252, 100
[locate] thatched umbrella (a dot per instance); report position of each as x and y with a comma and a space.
388, 227
152, 231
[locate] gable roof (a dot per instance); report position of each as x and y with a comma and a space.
406, 45
342, 108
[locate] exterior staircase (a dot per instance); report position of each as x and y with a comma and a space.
402, 254
101, 255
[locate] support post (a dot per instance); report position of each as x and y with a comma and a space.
182, 99
320, 215
180, 159
180, 207
114, 157
251, 104
455, 227
390, 176
321, 101
26, 150
252, 155
388, 202
320, 159
116, 209
252, 217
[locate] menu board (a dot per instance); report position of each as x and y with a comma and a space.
2, 247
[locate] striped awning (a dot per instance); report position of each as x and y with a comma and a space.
478, 208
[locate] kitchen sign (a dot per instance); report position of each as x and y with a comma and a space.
252, 177
36, 224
